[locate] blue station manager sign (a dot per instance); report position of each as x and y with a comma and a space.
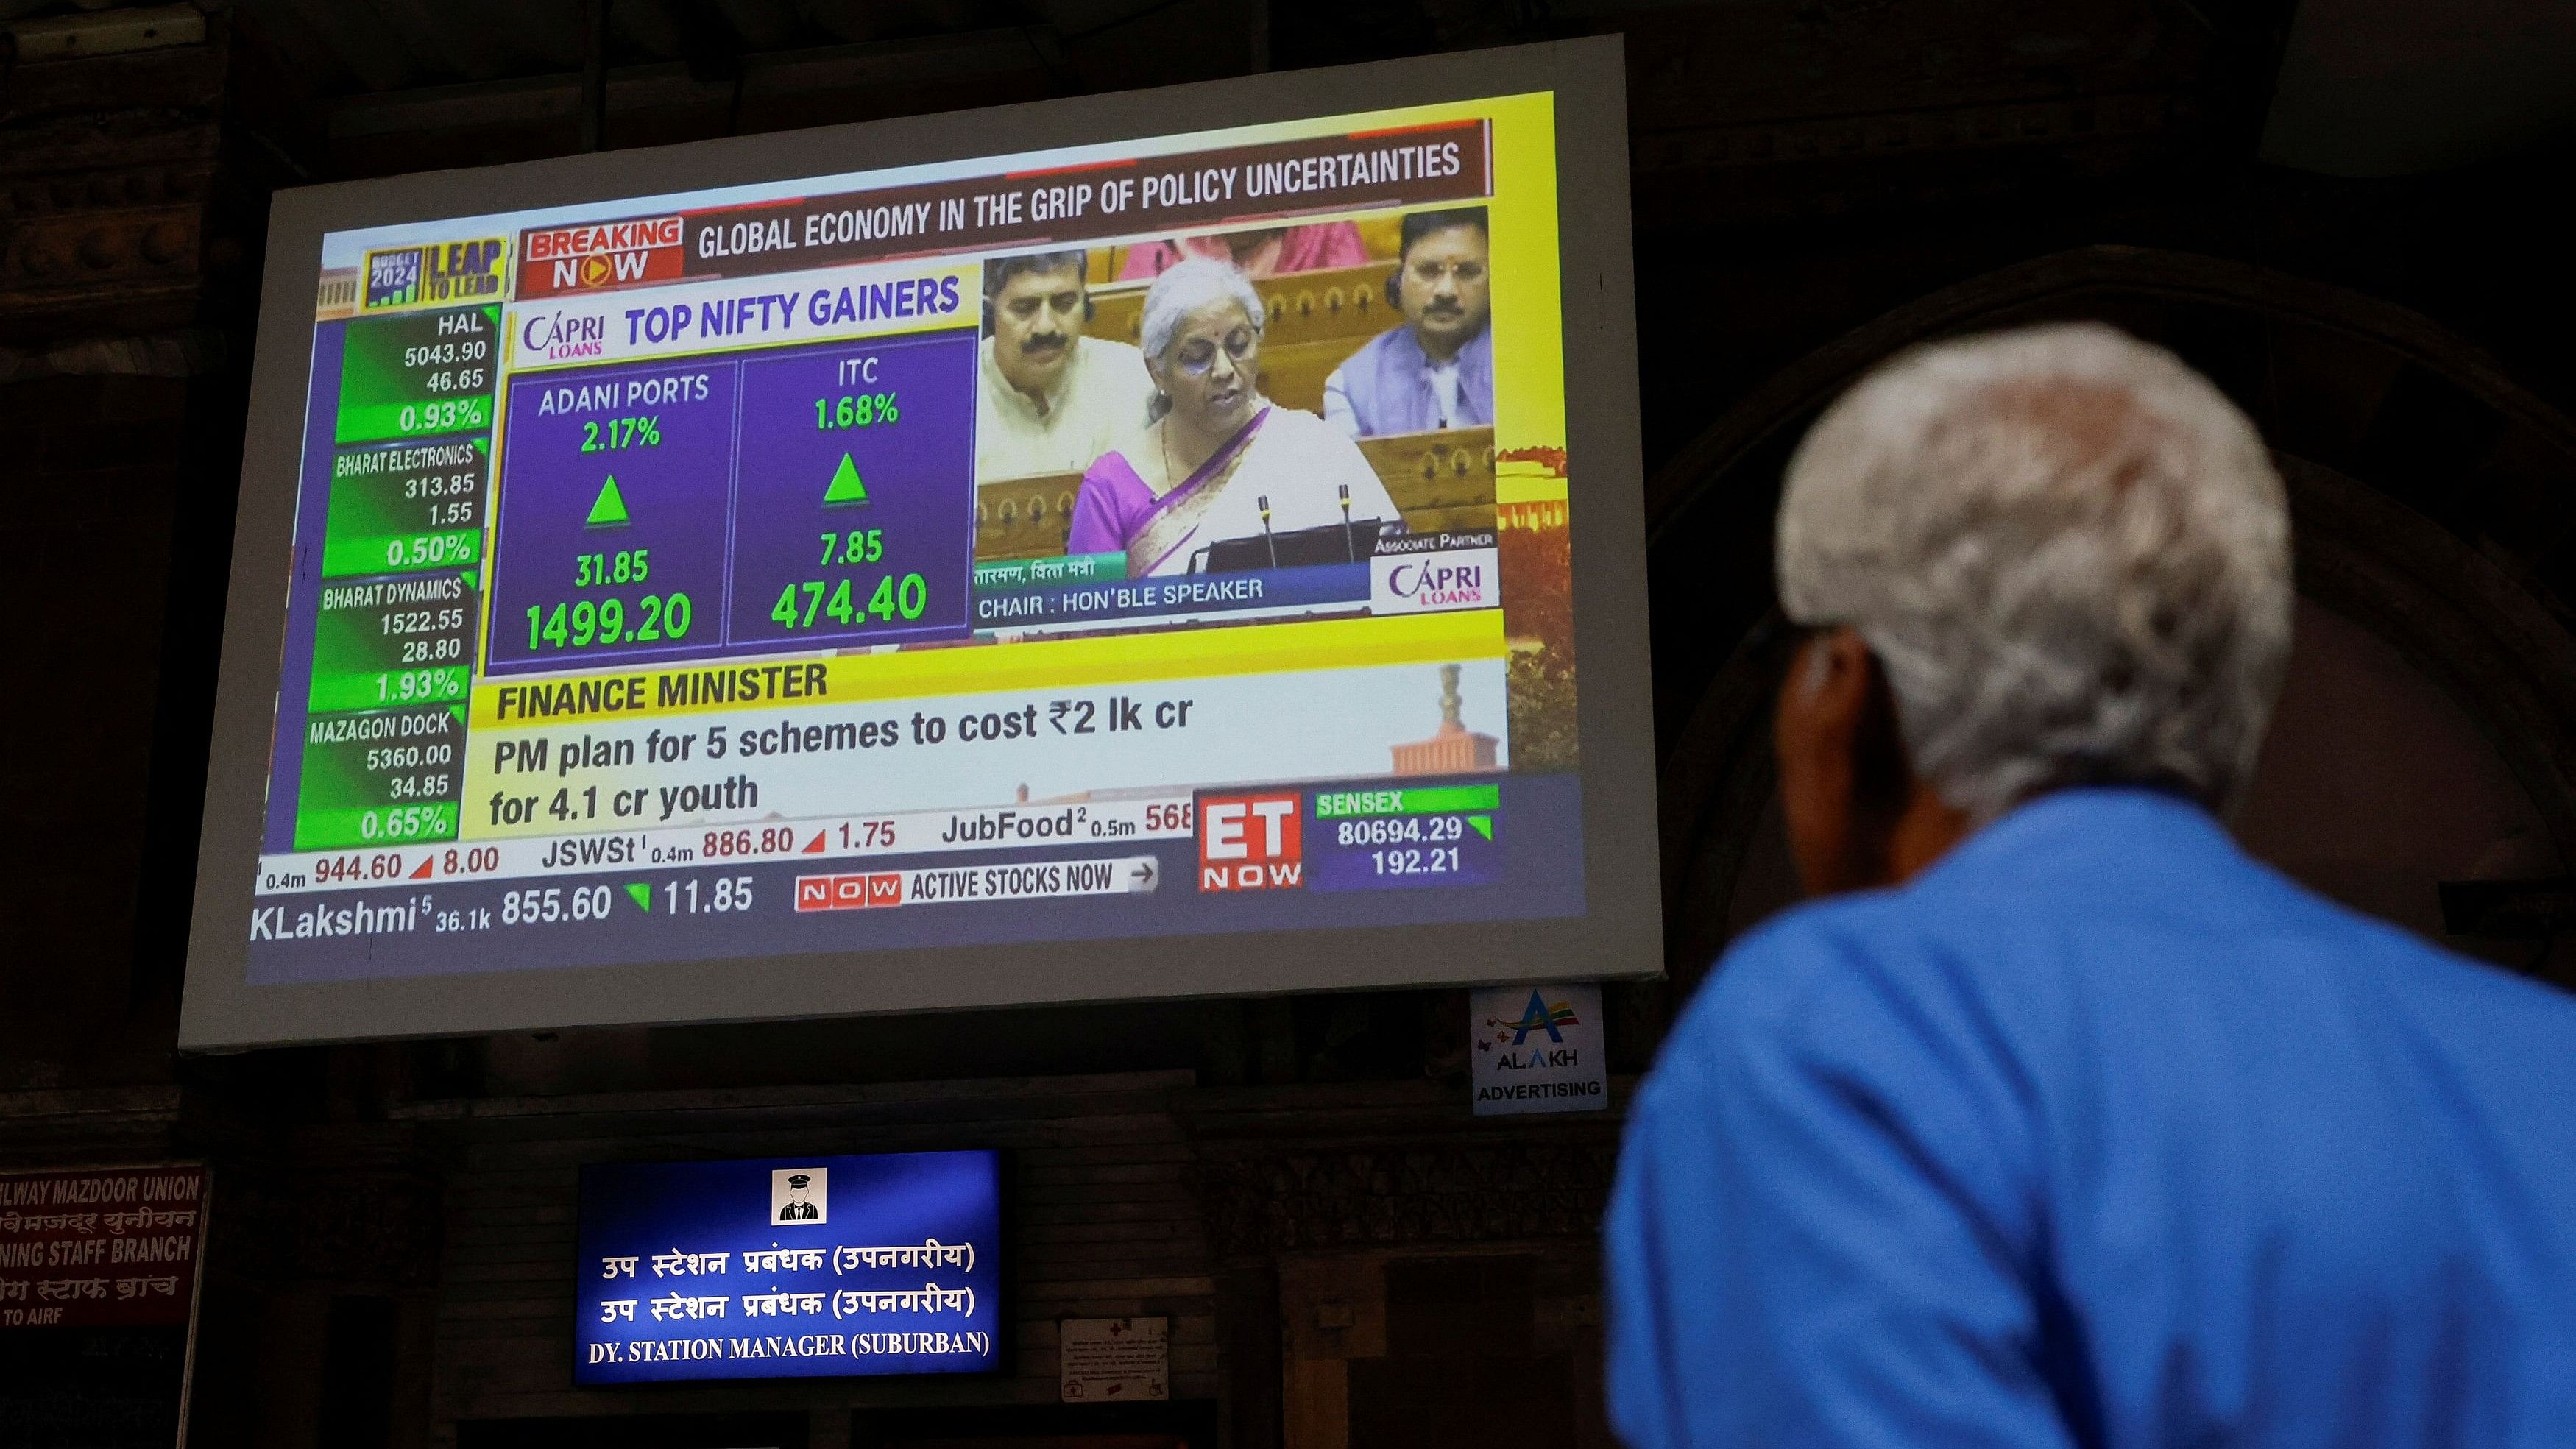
789, 1267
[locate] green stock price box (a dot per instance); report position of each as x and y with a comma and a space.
419, 376
403, 506
388, 642
381, 777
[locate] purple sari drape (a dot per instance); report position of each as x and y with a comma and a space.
1117, 512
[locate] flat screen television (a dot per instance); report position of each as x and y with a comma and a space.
1174, 543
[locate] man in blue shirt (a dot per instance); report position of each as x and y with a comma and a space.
1437, 370
2063, 1122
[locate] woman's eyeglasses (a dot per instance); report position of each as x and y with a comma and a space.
1199, 353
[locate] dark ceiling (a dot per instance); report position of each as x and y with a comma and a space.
2353, 87
346, 47
2403, 87
361, 82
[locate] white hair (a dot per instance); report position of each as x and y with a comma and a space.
2070, 554
1185, 287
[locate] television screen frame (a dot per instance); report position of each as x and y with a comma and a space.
1619, 935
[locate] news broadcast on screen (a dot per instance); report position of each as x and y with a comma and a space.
1159, 538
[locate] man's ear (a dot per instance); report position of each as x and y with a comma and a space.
1844, 782
1858, 815
1818, 718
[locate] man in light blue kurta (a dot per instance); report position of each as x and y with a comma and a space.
1437, 370
2062, 1122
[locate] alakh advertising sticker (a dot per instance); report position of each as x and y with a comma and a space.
1538, 1049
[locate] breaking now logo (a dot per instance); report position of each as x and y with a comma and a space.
1251, 842
849, 892
610, 254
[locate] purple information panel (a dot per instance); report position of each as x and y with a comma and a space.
854, 515
615, 494
823, 497
1405, 837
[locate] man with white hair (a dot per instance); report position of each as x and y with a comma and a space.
2063, 1122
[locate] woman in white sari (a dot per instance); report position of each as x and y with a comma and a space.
1217, 460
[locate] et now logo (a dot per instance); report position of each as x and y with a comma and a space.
1251, 842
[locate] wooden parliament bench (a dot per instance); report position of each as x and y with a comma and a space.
1440, 481
1316, 320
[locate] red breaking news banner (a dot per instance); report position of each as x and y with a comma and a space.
100, 1247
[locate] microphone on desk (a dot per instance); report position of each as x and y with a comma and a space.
1350, 549
1262, 501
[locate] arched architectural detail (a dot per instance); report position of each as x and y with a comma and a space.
2432, 496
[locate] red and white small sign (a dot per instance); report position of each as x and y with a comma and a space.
1000, 881
99, 1247
1252, 842
854, 891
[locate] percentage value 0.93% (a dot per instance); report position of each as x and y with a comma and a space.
858, 410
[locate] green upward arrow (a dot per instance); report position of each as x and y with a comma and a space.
846, 485
609, 509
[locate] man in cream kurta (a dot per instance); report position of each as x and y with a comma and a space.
1049, 399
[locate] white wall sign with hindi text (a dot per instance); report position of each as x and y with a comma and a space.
1114, 1360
